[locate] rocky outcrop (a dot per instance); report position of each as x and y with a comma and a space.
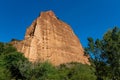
49, 38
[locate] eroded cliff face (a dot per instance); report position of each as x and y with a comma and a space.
48, 38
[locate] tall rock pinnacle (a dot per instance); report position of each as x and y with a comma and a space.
48, 38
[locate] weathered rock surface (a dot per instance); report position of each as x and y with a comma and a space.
48, 38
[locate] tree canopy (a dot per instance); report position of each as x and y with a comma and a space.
105, 55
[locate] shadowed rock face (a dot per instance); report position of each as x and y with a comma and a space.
48, 38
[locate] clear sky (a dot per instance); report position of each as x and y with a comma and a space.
88, 18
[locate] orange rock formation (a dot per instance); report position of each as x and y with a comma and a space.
49, 38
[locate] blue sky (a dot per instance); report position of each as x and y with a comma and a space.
88, 18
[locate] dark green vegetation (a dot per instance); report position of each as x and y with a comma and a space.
13, 65
105, 55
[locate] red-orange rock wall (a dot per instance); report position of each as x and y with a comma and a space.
48, 38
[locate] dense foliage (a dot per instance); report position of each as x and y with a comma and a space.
105, 55
13, 65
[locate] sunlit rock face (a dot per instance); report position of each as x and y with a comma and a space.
49, 38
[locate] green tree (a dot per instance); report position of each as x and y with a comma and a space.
39, 71
9, 62
12, 62
1, 48
111, 41
105, 55
76, 71
4, 73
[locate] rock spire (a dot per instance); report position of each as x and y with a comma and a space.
49, 38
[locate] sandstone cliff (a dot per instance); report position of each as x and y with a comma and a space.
49, 38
